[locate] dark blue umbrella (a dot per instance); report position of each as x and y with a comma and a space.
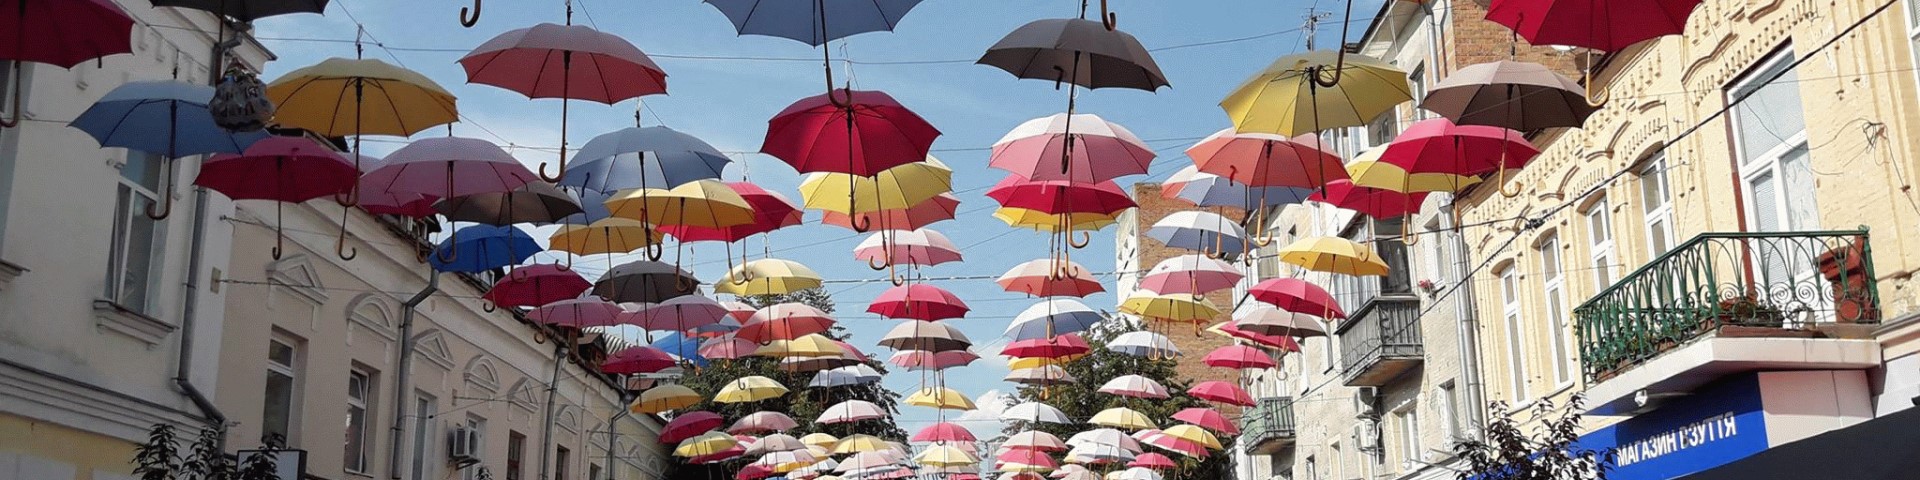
482, 248
803, 20
643, 157
168, 118
677, 344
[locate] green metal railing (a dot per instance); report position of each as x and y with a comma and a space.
1271, 419
1385, 327
1790, 280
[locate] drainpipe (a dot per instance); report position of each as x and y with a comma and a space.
613, 423
402, 372
1468, 331
553, 387
182, 374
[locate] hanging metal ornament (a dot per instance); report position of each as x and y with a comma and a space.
240, 101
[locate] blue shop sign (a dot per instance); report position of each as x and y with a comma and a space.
1714, 426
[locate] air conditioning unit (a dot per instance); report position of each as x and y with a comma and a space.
1366, 434
463, 446
1364, 399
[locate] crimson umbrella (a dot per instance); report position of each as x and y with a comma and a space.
688, 425
1239, 356
1060, 197
1437, 145
1604, 25
634, 360
282, 169
535, 285
1372, 202
62, 33
564, 62
1207, 418
1299, 296
928, 212
848, 131
918, 302
1280, 342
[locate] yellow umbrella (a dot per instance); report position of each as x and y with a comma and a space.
1316, 90
607, 235
820, 440
894, 188
706, 444
1176, 307
1334, 255
750, 389
810, 345
769, 276
1368, 171
940, 397
1038, 362
1122, 417
945, 456
665, 397
699, 203
339, 97
1048, 222
1195, 434
860, 443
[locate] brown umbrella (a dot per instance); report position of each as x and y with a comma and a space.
1517, 95
1077, 51
927, 336
646, 282
535, 202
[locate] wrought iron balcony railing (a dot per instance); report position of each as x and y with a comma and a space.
1770, 280
1268, 425
1381, 340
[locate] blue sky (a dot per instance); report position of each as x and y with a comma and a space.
728, 101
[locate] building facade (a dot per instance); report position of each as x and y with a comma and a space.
1135, 253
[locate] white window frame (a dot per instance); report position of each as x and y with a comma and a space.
425, 429
1407, 424
1446, 402
290, 369
1516, 336
1553, 283
1417, 79
128, 209
1657, 211
478, 426
1753, 165
360, 406
1600, 248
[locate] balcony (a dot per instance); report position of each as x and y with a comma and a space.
1725, 303
1268, 427
1381, 341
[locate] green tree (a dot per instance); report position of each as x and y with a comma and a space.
1080, 400
1552, 452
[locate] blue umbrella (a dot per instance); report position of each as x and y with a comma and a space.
593, 206
168, 118
804, 20
643, 157
480, 248
679, 345
1055, 316
1209, 190
1204, 232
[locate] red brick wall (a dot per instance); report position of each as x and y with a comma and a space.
1473, 40
1194, 342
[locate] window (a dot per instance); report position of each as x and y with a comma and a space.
1600, 242
1556, 298
593, 472
1516, 355
1407, 424
423, 415
1417, 78
1446, 402
1310, 468
359, 400
1339, 462
1382, 130
516, 454
560, 459
1656, 206
134, 269
478, 426
1770, 133
1399, 279
282, 381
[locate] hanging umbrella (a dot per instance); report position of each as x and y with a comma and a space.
809, 345
814, 23
916, 247
564, 62
895, 188
1202, 189
784, 321
1265, 320
1041, 375
768, 276
168, 118
918, 302
1035, 412
852, 411
1144, 344
1370, 201
1134, 386
1204, 232
706, 444
1035, 440
1267, 160
1028, 457
1176, 445
1207, 418
1517, 95
381, 202
612, 235
848, 131
1230, 330
1333, 255
749, 389
1239, 356
945, 456
593, 207
678, 313
577, 313
447, 167
1016, 363
1054, 347
536, 285
1050, 278
778, 442
248, 10
1104, 436
782, 462
1098, 454
1604, 26
859, 443
341, 97
282, 169
665, 398
1296, 295
726, 325
64, 33
1194, 434
680, 345
821, 440
1050, 317
1060, 196
944, 432
699, 203
866, 462
1437, 145
1137, 473
1316, 90
1049, 222
481, 248
928, 336
1122, 417
1191, 274
635, 360
916, 360
534, 202
1153, 461
643, 157
1079, 148
1178, 307
771, 211
689, 425
1082, 52
1367, 170
724, 455
938, 209
758, 422
1222, 392
645, 282
728, 347
844, 376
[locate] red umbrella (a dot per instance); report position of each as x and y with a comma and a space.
381, 202
934, 210
1027, 456
447, 167
578, 313
1056, 347
63, 33
1153, 460
637, 360
944, 432
1207, 418
754, 472
282, 169
1437, 145
564, 62
1239, 356
1267, 160
1061, 196
1222, 392
1270, 341
536, 285
1369, 201
1298, 296
689, 425
848, 131
771, 211
1604, 25
785, 321
918, 302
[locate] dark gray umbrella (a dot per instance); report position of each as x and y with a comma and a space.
643, 157
535, 202
803, 20
1078, 51
646, 282
1517, 95
248, 10
593, 208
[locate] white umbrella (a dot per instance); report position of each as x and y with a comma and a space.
762, 422
1135, 473
1035, 412
1134, 386
1034, 439
852, 411
1191, 273
1267, 320
922, 247
845, 376
1041, 375
1096, 453
1204, 232
773, 459
1144, 344
1054, 316
865, 462
1105, 436
778, 442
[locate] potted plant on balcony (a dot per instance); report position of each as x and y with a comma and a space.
1746, 310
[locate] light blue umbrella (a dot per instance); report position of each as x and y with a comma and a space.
845, 376
643, 157
1204, 232
679, 345
593, 206
480, 248
1209, 190
1055, 316
725, 325
167, 118
804, 20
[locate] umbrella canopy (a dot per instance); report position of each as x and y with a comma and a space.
1136, 473
728, 347
1035, 412
1081, 148
248, 10
1517, 95
845, 376
945, 456
928, 336
1178, 307
1207, 418
1333, 255
689, 425
1049, 347
914, 360
778, 442
1077, 51
1239, 356
577, 313
940, 397
916, 247
1267, 160
64, 34
535, 285
852, 411
534, 202
636, 360
699, 203
1060, 196
1194, 434
1104, 436
749, 389
1134, 386
1041, 375
1222, 392
859, 443
645, 282
1604, 26
1098, 454
767, 276
565, 61
339, 97
1050, 317
168, 118
1122, 417
1229, 330
664, 398
771, 211
381, 202
848, 131
705, 444
481, 248
1288, 97
938, 209
1266, 320
643, 157
1191, 185
785, 321
814, 23
286, 169
894, 188
1144, 344
680, 345
1191, 274
1437, 145
821, 440
810, 345
678, 313
1035, 440
1017, 363
1296, 295
1021, 459
1367, 170
1370, 201
446, 167
1050, 278
1049, 222
1204, 232
944, 432
918, 302
607, 235
1153, 461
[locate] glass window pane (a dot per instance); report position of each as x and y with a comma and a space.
1659, 233
1766, 204
278, 417
280, 353
1653, 185
1802, 213
1767, 113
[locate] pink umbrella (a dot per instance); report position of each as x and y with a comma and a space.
578, 313
915, 247
934, 210
918, 302
1282, 343
925, 360
1265, 320
852, 411
739, 310
286, 169
1191, 274
1207, 418
1027, 456
1370, 201
763, 422
381, 202
1050, 278
1134, 386
1222, 392
1035, 440
535, 285
564, 62
1080, 148
1239, 356
447, 167
727, 347
678, 314
1296, 295
1177, 445
1056, 347
1152, 460
944, 432
784, 321
754, 472
689, 425
634, 360
1267, 160
848, 131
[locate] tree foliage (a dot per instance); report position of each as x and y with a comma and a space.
1551, 452
162, 459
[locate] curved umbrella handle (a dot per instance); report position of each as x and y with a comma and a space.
340, 244
685, 284
1502, 176
861, 224
655, 250
1340, 62
166, 195
487, 305
565, 267
1591, 101
1085, 239
1061, 77
878, 264
279, 240
452, 251
1108, 18
1407, 236
555, 178
893, 275
743, 279
470, 21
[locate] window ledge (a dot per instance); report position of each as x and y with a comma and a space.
8, 272
114, 317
